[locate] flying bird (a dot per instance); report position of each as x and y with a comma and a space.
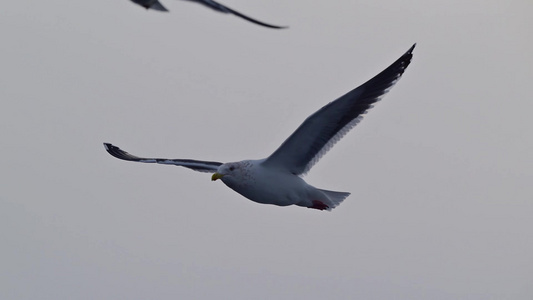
277, 179
156, 5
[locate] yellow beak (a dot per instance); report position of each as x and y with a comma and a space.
216, 176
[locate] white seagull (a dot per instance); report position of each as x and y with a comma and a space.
156, 5
277, 179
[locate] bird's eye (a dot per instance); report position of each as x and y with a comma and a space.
231, 168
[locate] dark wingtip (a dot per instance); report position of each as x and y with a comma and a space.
112, 149
265, 24
403, 62
276, 26
407, 57
238, 14
117, 152
410, 51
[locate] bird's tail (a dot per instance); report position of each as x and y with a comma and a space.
335, 197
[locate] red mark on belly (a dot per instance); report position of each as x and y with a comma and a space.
319, 205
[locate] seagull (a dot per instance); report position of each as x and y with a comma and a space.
156, 5
277, 179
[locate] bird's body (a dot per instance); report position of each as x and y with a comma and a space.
277, 179
156, 5
248, 178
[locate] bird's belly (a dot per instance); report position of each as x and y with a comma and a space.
277, 190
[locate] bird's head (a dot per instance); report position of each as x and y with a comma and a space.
226, 170
233, 174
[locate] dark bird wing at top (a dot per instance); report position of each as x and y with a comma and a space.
224, 9
197, 165
320, 131
151, 4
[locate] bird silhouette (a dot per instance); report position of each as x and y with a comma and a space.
156, 5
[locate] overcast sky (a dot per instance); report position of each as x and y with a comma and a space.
440, 170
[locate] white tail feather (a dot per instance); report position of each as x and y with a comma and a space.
335, 197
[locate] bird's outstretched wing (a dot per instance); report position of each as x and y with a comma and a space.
320, 131
224, 9
197, 165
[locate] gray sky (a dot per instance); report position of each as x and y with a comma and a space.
440, 170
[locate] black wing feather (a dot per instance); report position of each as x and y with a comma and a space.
197, 165
320, 131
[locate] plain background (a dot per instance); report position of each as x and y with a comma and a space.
440, 170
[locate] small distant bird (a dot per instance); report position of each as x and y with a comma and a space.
277, 178
156, 5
